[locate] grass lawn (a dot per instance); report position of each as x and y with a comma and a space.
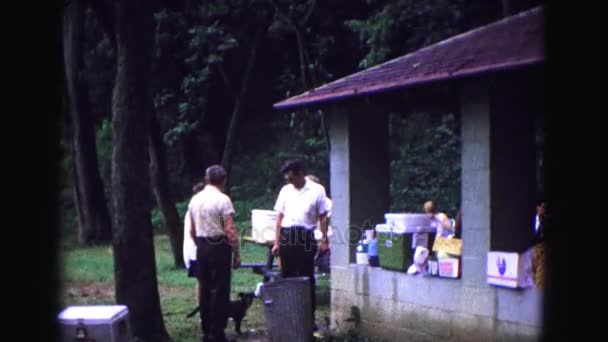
88, 278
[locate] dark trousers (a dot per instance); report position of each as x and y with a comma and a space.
298, 248
214, 260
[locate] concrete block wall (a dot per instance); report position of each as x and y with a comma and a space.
395, 306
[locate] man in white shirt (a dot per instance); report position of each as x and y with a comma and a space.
301, 206
212, 228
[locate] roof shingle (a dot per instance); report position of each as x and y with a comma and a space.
511, 42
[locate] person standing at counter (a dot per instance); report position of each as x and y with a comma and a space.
438, 219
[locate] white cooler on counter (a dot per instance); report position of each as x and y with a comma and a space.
263, 223
95, 323
410, 222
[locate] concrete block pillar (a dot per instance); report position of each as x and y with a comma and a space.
498, 172
476, 182
359, 173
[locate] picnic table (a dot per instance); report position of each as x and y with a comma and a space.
265, 269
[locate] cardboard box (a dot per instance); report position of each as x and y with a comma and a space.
451, 246
95, 323
449, 267
508, 269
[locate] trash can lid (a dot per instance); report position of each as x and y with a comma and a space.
282, 281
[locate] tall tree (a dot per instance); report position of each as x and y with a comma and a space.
90, 200
133, 246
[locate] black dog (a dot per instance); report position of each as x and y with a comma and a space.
236, 310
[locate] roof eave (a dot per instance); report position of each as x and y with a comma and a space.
309, 100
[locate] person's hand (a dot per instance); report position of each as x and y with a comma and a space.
236, 261
275, 249
323, 246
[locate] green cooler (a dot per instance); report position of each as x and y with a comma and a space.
396, 246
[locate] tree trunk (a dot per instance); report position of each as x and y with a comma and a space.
301, 58
236, 111
160, 184
79, 220
90, 190
133, 245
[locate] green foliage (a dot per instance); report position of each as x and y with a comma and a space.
173, 135
156, 216
158, 223
182, 207
255, 179
402, 26
318, 27
425, 162
197, 69
198, 41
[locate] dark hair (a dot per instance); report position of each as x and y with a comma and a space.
216, 174
292, 165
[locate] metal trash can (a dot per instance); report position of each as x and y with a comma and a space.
288, 310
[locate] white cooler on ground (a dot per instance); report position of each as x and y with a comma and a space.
95, 323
